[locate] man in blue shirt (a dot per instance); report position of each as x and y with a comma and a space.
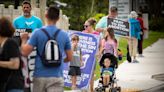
27, 21
47, 79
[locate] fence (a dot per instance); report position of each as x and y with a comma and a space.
12, 13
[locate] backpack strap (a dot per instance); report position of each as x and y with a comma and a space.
44, 30
56, 33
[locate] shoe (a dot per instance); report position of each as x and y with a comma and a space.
135, 61
73, 87
140, 55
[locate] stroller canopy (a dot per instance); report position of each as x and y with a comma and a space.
113, 59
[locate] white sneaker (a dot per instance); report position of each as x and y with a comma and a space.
140, 55
135, 61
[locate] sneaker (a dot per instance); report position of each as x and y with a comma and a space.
73, 87
135, 61
140, 55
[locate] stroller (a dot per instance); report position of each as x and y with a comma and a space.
112, 86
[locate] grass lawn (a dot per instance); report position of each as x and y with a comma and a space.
152, 37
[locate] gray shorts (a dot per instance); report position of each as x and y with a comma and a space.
50, 84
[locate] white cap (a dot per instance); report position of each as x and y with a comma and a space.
133, 14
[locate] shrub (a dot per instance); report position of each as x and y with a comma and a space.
156, 24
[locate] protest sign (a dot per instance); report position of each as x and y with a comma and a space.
28, 63
89, 46
120, 27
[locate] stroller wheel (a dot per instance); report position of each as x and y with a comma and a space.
99, 89
119, 89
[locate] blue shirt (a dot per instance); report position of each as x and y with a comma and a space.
102, 22
135, 28
108, 69
27, 23
38, 40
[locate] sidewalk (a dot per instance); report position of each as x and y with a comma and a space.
139, 75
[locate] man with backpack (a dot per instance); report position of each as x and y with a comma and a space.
51, 44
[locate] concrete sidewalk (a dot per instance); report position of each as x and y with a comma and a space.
139, 75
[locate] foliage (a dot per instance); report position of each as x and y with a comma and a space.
79, 11
98, 16
156, 24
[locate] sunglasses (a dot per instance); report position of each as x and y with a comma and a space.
85, 26
74, 39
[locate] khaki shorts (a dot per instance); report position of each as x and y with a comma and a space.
50, 84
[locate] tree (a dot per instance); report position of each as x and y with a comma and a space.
79, 11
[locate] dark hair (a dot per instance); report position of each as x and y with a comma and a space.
26, 2
53, 12
92, 21
6, 27
139, 14
110, 31
113, 9
75, 37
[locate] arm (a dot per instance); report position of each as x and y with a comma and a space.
102, 47
115, 49
68, 50
26, 49
13, 63
81, 61
68, 56
99, 29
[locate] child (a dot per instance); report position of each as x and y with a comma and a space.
107, 71
77, 61
109, 43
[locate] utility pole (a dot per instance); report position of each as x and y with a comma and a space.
33, 4
42, 5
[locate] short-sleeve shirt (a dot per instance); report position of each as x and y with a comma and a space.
10, 50
38, 39
27, 23
107, 71
109, 47
76, 57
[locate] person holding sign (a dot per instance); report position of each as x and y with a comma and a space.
76, 62
103, 22
48, 78
88, 26
135, 30
11, 78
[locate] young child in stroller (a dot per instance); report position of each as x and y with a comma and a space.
107, 71
108, 63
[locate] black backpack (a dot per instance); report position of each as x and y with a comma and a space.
51, 55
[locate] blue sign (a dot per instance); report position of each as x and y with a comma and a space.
89, 46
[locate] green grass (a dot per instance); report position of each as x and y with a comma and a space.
153, 37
